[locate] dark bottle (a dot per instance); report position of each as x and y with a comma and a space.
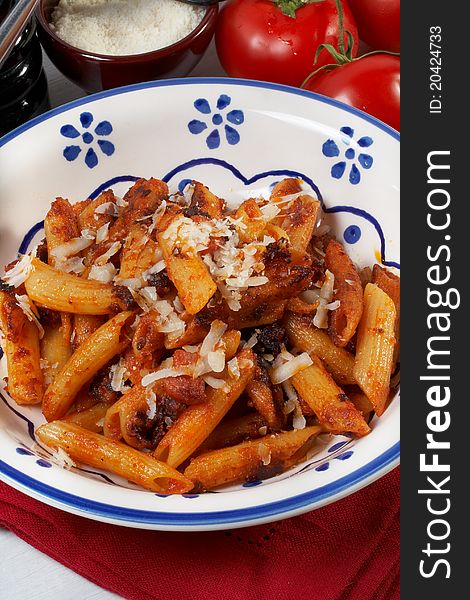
23, 85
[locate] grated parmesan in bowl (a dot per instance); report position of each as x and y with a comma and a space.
124, 27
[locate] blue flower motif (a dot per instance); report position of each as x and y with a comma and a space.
216, 123
103, 129
331, 149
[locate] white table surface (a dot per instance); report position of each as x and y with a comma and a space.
25, 573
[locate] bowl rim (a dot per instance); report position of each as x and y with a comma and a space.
263, 513
208, 19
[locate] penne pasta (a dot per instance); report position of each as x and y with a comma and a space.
101, 453
21, 347
198, 421
390, 284
204, 203
68, 293
97, 351
133, 245
308, 338
375, 346
90, 218
330, 404
362, 403
60, 226
250, 215
263, 397
91, 419
135, 349
83, 327
348, 291
252, 460
235, 431
286, 187
300, 221
190, 276
55, 351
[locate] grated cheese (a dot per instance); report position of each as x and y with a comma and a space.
162, 374
111, 251
264, 453
61, 458
104, 273
118, 373
121, 27
107, 208
325, 296
102, 233
289, 368
152, 404
20, 272
71, 248
30, 311
214, 382
234, 368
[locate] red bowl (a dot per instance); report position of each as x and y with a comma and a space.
96, 72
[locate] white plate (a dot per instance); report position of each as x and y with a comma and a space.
238, 137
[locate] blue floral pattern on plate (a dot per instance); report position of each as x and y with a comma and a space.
349, 155
88, 140
221, 120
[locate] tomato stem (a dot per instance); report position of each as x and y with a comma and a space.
342, 55
339, 9
289, 7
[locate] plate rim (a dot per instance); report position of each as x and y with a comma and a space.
196, 80
263, 513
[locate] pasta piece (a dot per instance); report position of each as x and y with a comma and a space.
375, 346
286, 187
261, 393
132, 248
362, 403
344, 319
112, 421
147, 338
91, 419
118, 415
55, 351
21, 347
198, 421
101, 453
143, 198
69, 293
204, 203
330, 404
289, 272
300, 221
235, 431
298, 306
83, 327
252, 460
90, 218
190, 276
60, 226
249, 215
308, 338
97, 351
390, 284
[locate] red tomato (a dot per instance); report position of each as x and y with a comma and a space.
371, 83
256, 40
378, 22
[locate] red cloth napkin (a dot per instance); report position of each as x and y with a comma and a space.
348, 550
